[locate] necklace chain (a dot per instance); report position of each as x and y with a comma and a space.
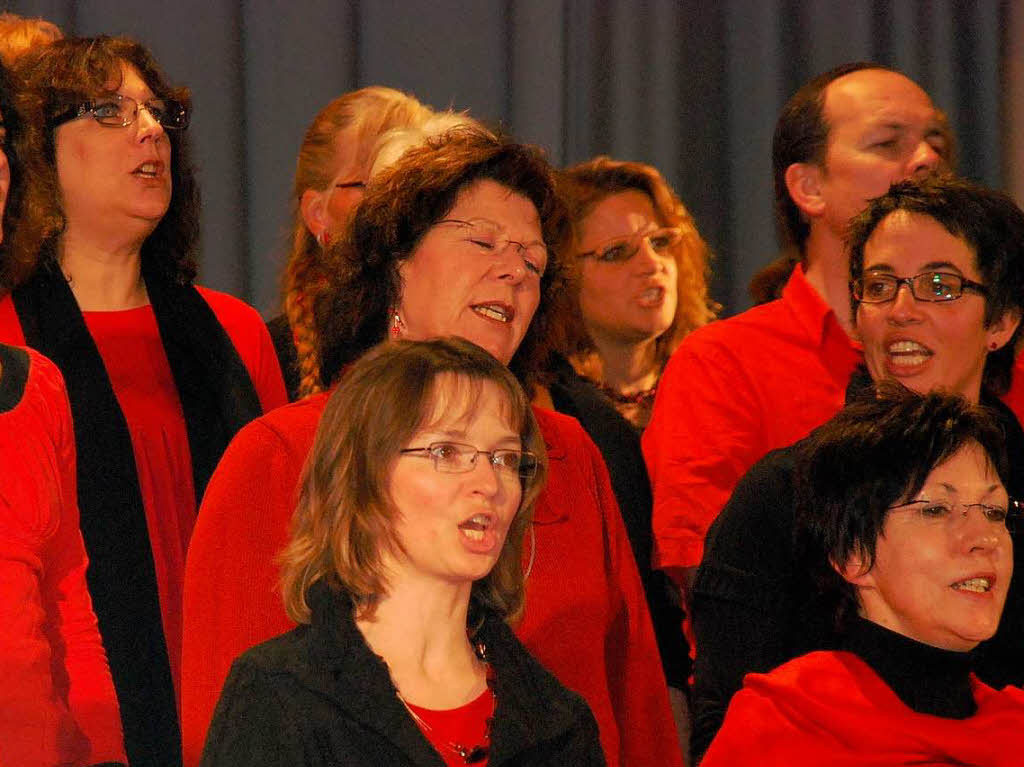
471, 754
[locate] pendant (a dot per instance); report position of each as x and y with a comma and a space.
471, 755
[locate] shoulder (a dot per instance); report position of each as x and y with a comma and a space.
233, 313
559, 430
527, 682
291, 425
280, 656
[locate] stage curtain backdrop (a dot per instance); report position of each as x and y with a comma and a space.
692, 87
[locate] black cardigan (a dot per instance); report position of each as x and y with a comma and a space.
753, 610
318, 696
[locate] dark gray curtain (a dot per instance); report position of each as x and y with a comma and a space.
691, 87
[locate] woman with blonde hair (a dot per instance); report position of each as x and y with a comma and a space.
330, 175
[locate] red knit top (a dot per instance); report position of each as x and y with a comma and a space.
57, 702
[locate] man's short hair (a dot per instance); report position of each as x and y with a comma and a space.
801, 135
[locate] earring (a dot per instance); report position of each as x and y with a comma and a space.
993, 346
397, 327
321, 238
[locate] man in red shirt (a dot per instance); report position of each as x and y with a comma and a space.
763, 379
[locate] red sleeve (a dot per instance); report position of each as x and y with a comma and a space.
87, 685
231, 597
638, 688
251, 339
10, 326
703, 436
1015, 397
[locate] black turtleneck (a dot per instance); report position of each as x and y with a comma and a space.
929, 680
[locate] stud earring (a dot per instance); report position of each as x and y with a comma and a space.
321, 238
993, 346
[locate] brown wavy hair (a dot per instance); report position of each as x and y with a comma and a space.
400, 206
345, 519
357, 118
582, 187
56, 78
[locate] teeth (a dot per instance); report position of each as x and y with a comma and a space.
473, 535
147, 169
652, 294
492, 312
979, 585
907, 347
908, 353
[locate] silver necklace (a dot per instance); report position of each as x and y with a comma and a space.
469, 754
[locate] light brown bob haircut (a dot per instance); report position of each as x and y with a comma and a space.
345, 520
582, 188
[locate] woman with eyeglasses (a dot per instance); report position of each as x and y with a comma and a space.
57, 701
640, 285
160, 374
902, 519
641, 282
937, 270
461, 236
403, 571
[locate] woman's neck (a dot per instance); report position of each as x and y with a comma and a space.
627, 368
927, 679
103, 276
420, 632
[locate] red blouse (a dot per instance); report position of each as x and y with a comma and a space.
57, 702
140, 374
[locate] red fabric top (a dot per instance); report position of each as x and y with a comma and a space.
734, 390
465, 726
57, 702
586, 618
133, 355
830, 709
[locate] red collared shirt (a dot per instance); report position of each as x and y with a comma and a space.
733, 391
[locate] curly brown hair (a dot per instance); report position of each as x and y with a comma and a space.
582, 187
357, 118
56, 78
400, 206
345, 519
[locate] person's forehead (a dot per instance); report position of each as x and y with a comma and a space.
875, 95
908, 232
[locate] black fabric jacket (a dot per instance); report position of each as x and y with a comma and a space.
619, 443
754, 610
318, 696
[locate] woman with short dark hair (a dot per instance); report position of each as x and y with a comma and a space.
903, 518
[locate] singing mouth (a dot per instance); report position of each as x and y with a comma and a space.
498, 312
149, 169
476, 526
977, 585
908, 353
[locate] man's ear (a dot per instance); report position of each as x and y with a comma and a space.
803, 182
313, 207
